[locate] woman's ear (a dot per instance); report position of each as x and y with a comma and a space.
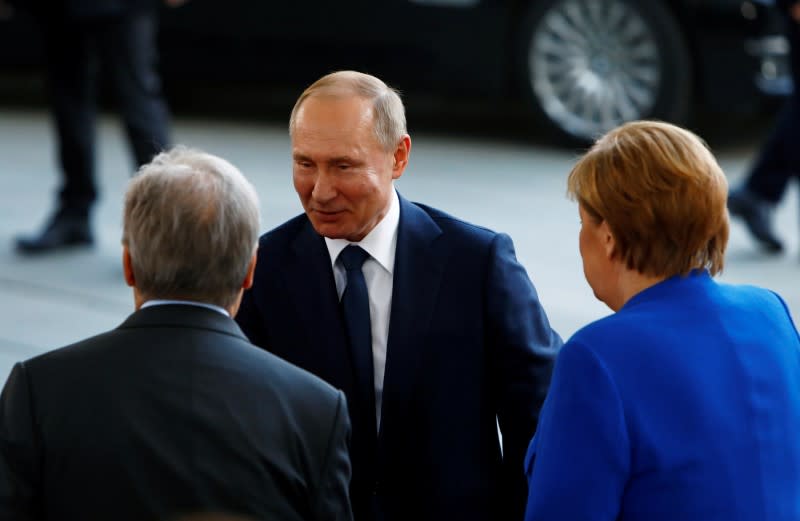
609, 243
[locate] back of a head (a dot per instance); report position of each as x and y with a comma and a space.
389, 112
661, 192
191, 224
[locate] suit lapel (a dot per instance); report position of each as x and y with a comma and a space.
310, 283
419, 263
327, 353
418, 267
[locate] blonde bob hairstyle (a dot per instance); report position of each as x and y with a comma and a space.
389, 114
662, 194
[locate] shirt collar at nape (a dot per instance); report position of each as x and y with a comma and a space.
161, 302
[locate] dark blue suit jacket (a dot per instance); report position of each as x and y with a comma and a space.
468, 343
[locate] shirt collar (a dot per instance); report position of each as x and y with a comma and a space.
161, 302
380, 243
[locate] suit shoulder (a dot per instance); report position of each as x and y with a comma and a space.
597, 329
284, 232
612, 333
288, 377
452, 224
71, 351
749, 295
314, 403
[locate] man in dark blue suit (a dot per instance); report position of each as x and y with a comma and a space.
429, 324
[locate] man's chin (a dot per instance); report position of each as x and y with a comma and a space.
328, 230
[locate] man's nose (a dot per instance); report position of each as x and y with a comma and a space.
324, 187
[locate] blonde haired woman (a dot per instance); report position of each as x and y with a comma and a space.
685, 403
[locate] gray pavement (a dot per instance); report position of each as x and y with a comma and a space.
505, 184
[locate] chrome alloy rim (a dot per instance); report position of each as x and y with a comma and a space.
594, 64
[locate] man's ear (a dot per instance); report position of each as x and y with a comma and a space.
127, 267
251, 272
400, 158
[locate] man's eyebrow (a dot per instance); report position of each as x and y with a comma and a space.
343, 159
299, 156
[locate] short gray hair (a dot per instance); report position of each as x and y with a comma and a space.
389, 114
191, 224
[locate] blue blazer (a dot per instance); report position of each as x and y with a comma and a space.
684, 405
469, 344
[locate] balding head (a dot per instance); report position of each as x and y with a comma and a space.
389, 116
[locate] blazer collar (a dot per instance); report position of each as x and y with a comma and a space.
183, 315
308, 276
419, 264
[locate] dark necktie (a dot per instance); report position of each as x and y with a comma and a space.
355, 309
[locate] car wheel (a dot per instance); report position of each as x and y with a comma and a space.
590, 65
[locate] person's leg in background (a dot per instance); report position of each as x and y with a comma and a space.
131, 56
778, 161
69, 61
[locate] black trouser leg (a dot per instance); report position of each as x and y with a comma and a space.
779, 158
131, 55
70, 78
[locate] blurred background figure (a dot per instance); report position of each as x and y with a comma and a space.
82, 37
174, 411
685, 403
779, 159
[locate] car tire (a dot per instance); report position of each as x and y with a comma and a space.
587, 66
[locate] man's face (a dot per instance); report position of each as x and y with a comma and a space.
341, 172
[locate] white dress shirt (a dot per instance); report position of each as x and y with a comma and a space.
161, 302
378, 269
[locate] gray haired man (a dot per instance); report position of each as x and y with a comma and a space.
174, 412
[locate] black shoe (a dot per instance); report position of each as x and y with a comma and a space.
61, 232
757, 215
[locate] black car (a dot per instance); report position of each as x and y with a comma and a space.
580, 66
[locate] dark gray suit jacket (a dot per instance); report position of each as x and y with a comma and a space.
173, 412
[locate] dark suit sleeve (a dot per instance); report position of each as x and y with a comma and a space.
522, 348
333, 499
19, 455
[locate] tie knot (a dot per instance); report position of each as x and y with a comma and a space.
353, 257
